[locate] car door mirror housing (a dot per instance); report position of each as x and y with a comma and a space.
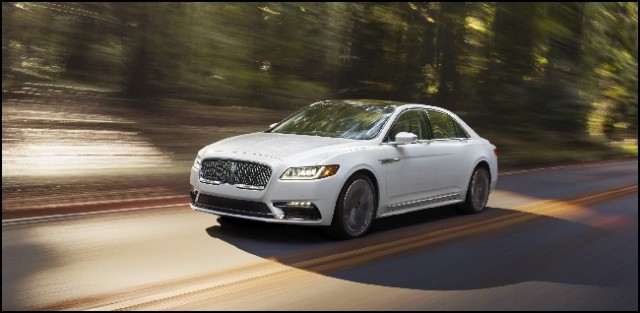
403, 138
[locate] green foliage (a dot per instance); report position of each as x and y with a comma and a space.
570, 68
611, 54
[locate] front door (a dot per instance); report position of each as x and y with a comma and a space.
410, 168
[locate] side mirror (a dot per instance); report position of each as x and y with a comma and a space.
403, 138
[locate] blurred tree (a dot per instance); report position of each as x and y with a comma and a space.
449, 45
506, 90
610, 80
560, 93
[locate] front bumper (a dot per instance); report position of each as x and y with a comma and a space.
303, 202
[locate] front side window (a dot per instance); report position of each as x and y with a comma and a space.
444, 127
412, 121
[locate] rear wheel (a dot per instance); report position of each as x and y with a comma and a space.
355, 209
478, 191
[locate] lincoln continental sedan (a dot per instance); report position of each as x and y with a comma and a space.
342, 164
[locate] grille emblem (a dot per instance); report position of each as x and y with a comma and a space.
233, 168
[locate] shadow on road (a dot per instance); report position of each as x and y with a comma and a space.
539, 249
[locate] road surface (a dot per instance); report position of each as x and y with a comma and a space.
551, 239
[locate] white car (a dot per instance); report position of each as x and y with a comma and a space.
343, 163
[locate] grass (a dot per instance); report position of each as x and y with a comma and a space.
545, 149
628, 149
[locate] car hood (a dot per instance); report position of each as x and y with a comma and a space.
270, 147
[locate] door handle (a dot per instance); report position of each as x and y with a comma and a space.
391, 160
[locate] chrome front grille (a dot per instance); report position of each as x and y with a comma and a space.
242, 174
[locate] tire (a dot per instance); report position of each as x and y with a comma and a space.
355, 209
477, 192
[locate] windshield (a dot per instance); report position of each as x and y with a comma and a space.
338, 120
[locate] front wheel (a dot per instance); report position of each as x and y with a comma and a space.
355, 208
477, 192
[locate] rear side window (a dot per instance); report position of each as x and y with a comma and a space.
444, 127
460, 133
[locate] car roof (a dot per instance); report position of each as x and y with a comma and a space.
382, 103
373, 102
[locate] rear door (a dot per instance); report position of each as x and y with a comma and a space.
452, 151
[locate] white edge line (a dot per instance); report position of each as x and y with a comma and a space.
62, 217
53, 206
563, 167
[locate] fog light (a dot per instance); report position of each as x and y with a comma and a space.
299, 210
299, 204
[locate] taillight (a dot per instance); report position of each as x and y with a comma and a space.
495, 151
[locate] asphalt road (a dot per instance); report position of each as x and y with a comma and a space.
551, 239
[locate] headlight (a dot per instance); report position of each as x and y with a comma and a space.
309, 172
